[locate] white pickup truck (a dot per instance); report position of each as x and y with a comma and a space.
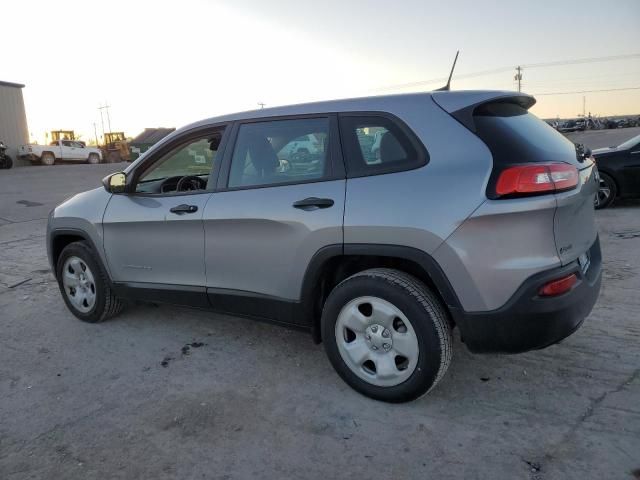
72, 150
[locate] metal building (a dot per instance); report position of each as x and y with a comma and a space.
13, 119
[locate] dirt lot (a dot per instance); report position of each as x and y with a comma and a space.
164, 392
603, 138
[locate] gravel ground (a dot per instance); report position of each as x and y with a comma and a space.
164, 392
603, 138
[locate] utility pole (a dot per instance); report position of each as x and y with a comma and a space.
101, 121
518, 77
105, 107
95, 133
584, 109
262, 104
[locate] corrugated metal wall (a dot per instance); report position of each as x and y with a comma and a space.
13, 121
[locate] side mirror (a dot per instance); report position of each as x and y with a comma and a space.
115, 183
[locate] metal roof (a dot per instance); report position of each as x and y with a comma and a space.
152, 135
457, 98
10, 84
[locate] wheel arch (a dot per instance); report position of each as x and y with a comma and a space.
612, 175
60, 238
333, 263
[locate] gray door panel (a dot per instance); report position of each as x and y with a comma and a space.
145, 242
256, 241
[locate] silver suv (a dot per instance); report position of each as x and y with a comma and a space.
471, 213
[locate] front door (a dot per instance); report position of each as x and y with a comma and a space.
154, 234
274, 211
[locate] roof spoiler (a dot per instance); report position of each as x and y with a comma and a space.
461, 105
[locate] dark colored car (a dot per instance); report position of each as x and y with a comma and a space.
619, 169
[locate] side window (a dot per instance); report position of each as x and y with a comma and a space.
196, 159
376, 144
281, 151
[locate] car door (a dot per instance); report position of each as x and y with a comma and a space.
153, 235
78, 151
272, 213
631, 170
66, 150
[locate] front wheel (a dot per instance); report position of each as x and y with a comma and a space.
387, 335
607, 192
93, 158
84, 285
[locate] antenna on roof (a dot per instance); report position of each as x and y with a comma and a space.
447, 87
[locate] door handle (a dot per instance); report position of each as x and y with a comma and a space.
313, 203
184, 208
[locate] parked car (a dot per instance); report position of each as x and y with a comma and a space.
619, 169
622, 123
68, 150
571, 126
363, 255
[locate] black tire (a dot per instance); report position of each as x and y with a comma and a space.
6, 162
107, 304
606, 182
426, 314
93, 158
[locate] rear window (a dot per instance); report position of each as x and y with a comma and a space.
516, 136
376, 144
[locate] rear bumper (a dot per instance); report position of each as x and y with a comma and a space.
528, 321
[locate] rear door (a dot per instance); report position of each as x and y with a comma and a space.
273, 211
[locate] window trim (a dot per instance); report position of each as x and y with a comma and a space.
183, 139
421, 150
335, 164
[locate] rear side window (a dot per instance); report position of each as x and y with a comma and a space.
281, 151
375, 144
516, 136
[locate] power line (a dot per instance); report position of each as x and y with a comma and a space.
583, 60
586, 91
444, 79
506, 69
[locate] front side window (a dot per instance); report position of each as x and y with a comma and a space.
377, 144
187, 167
281, 151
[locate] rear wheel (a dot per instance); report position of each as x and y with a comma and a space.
93, 158
48, 158
387, 335
607, 191
114, 157
84, 285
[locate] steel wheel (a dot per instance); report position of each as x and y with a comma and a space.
376, 341
79, 284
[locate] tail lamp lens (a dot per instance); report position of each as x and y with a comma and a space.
559, 286
537, 178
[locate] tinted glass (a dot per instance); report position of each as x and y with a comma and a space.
516, 136
632, 142
280, 151
374, 144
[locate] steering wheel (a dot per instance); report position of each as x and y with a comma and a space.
190, 182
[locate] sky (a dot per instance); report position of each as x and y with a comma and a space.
167, 64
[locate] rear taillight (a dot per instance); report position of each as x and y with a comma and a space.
559, 286
536, 179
